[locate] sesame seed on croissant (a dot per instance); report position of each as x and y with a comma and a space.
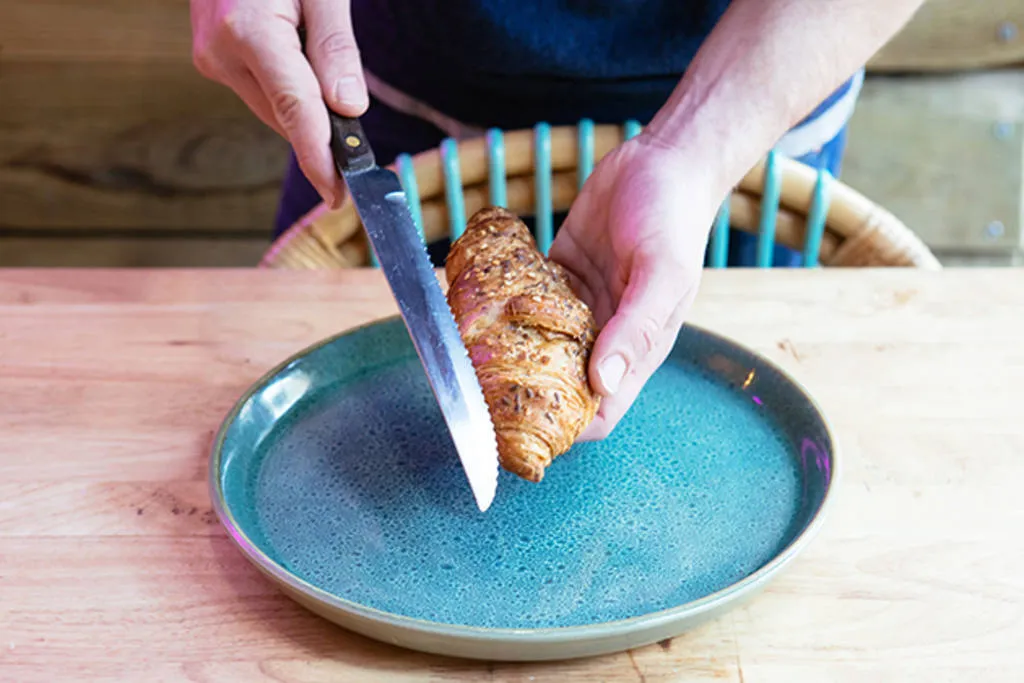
529, 338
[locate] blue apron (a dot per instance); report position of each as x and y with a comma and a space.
512, 63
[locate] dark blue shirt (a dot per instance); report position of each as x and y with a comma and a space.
515, 62
512, 63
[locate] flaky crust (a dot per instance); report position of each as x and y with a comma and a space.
529, 338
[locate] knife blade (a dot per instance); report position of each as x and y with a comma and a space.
401, 253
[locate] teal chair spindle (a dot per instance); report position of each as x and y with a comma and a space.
816, 216
631, 129
453, 188
544, 212
584, 151
719, 256
769, 211
407, 176
496, 168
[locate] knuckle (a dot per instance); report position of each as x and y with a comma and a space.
202, 60
646, 336
208, 59
338, 46
234, 26
288, 108
223, 33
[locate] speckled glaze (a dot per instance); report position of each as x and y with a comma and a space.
337, 478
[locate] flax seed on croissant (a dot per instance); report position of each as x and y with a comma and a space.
529, 338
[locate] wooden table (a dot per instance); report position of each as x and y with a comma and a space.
113, 567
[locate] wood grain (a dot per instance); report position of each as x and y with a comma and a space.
177, 249
113, 568
957, 35
132, 147
114, 151
96, 30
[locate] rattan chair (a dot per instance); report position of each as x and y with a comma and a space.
538, 172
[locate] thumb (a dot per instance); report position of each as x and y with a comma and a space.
332, 50
650, 312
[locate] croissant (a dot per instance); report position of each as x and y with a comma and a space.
529, 338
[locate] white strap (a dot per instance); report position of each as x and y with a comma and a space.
407, 104
816, 133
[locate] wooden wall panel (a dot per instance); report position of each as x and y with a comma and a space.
105, 125
945, 153
100, 30
957, 34
132, 146
130, 251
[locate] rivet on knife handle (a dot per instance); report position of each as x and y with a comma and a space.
348, 144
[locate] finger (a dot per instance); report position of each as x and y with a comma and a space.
240, 79
586, 275
650, 312
597, 430
613, 408
245, 86
566, 252
565, 249
332, 50
293, 93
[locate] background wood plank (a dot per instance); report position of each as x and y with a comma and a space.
108, 131
946, 155
133, 147
957, 34
159, 250
104, 30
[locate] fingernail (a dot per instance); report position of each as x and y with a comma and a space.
348, 90
611, 371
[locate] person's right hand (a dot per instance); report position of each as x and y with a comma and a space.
253, 47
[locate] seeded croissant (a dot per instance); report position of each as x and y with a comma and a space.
529, 338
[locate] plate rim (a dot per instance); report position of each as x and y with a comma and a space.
710, 603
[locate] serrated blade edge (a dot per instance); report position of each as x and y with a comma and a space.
403, 258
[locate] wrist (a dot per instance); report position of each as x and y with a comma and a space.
762, 69
663, 173
709, 121
698, 150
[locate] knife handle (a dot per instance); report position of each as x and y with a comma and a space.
349, 146
351, 150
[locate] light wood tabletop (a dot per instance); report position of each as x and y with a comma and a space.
113, 566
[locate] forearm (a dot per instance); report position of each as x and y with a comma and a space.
766, 65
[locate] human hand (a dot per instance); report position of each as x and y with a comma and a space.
253, 47
634, 244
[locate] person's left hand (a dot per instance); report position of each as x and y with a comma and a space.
634, 244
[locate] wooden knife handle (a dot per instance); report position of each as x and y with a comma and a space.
349, 145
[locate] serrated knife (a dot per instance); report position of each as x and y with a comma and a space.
381, 204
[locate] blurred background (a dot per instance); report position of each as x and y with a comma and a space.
114, 151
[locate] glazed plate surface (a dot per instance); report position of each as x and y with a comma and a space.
336, 477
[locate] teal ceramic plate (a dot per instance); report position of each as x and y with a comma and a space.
336, 477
